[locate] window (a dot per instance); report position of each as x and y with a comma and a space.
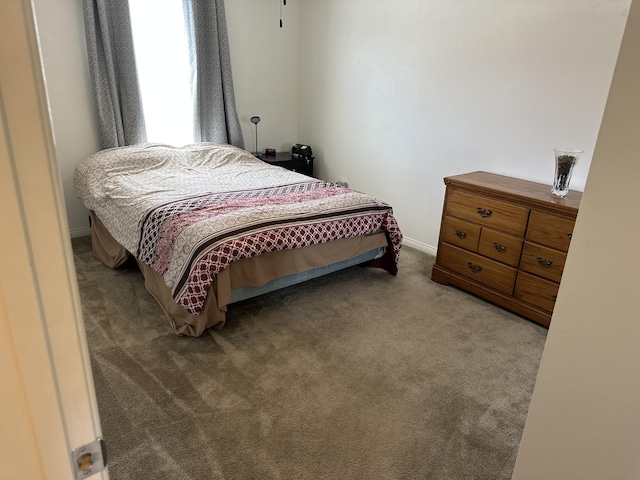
164, 74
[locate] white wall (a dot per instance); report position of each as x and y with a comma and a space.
64, 55
397, 95
265, 70
584, 418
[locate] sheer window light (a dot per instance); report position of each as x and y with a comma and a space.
162, 61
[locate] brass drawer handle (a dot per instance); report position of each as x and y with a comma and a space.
545, 263
461, 234
474, 268
483, 212
500, 248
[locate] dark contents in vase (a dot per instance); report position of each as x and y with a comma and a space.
565, 162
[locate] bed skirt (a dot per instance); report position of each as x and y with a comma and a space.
241, 276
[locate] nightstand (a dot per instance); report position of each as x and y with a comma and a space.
286, 160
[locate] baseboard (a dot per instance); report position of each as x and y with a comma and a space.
423, 247
79, 232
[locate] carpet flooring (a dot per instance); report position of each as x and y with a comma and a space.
356, 375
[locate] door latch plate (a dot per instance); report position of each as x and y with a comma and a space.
89, 459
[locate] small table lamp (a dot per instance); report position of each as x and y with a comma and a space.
255, 121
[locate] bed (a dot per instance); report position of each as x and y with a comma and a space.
211, 224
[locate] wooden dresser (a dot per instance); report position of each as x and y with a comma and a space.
505, 240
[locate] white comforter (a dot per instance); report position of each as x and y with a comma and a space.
122, 184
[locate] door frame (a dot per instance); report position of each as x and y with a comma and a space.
47, 394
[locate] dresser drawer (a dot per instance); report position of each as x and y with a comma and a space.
542, 261
480, 269
500, 246
536, 291
461, 233
550, 230
488, 212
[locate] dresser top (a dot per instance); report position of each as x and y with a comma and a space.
511, 188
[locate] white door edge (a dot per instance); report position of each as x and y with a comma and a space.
49, 372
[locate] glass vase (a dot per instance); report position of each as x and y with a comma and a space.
566, 159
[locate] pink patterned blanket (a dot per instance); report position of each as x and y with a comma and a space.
243, 224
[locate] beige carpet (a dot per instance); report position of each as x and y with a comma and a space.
357, 375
